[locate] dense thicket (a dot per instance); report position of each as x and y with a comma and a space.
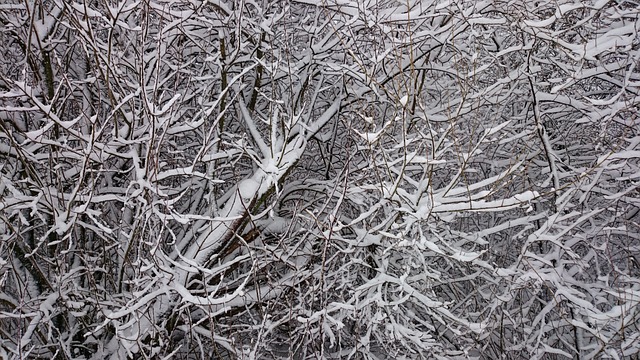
319, 179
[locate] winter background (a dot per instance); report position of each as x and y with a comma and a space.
311, 179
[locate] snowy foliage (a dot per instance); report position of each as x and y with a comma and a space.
319, 179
